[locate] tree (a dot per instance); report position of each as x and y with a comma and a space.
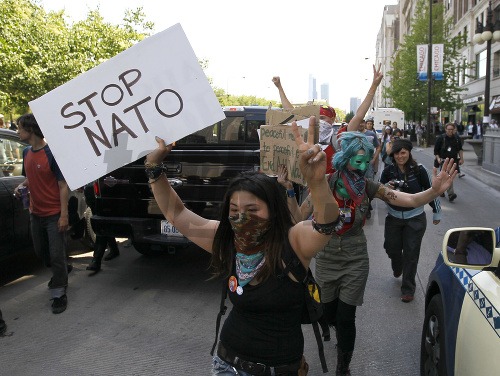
349, 117
406, 91
40, 51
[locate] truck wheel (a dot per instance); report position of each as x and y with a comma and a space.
89, 231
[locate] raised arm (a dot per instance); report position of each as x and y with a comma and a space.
298, 213
365, 105
440, 183
287, 105
309, 237
199, 230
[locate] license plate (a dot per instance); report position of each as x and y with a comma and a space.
168, 229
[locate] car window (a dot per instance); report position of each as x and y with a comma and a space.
11, 156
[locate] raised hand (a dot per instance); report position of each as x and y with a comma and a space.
377, 75
312, 161
277, 81
442, 181
158, 155
283, 177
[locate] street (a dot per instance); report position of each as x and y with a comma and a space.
156, 315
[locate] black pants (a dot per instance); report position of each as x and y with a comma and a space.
101, 242
403, 238
343, 317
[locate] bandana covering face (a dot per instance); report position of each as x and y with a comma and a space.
325, 132
249, 231
354, 183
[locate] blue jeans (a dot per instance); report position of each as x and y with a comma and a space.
50, 247
221, 368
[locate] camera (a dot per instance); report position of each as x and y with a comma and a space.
399, 185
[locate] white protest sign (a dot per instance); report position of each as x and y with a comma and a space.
278, 147
110, 115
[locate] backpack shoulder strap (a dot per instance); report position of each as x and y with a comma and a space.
222, 312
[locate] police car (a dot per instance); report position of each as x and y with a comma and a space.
461, 331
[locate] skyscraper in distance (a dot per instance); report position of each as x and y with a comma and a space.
313, 93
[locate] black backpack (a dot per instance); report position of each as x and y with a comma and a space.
313, 309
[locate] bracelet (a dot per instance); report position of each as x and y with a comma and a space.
150, 165
151, 181
290, 193
328, 228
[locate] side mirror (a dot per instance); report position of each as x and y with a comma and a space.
471, 247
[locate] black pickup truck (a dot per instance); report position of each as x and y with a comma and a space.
199, 168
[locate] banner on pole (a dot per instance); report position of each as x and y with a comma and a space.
436, 59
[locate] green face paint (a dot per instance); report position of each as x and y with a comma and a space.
341, 189
359, 162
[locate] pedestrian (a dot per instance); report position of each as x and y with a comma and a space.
372, 169
448, 145
396, 135
101, 241
342, 266
48, 217
420, 133
405, 227
394, 126
246, 245
384, 139
477, 131
3, 325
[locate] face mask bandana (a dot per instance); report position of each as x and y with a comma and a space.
325, 132
247, 266
354, 183
249, 231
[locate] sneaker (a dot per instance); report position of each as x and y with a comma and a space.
59, 304
452, 197
406, 298
461, 175
94, 266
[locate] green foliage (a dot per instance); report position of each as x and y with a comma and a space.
349, 117
242, 100
406, 92
40, 51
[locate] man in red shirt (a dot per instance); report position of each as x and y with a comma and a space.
49, 195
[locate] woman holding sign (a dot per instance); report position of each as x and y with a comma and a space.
246, 245
342, 266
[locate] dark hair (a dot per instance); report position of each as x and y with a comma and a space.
268, 190
450, 124
29, 123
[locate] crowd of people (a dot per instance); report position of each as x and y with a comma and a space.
261, 217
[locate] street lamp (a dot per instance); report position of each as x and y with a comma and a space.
487, 33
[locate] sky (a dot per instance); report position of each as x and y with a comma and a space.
246, 43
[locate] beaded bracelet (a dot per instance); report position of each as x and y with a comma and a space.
327, 228
290, 193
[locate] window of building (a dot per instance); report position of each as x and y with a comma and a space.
496, 64
481, 64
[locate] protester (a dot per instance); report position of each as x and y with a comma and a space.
396, 135
342, 266
49, 193
448, 145
405, 227
420, 129
246, 245
101, 241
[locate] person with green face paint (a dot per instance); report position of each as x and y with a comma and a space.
342, 266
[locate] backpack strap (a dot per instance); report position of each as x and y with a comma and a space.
222, 312
300, 273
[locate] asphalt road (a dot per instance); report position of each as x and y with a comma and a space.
156, 316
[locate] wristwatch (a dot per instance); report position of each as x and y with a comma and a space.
154, 173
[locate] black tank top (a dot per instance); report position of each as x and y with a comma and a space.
264, 323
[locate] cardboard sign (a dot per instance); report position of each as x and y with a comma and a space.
109, 116
278, 147
277, 143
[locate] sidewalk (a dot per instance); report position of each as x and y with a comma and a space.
470, 167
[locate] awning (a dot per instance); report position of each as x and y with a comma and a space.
472, 108
495, 105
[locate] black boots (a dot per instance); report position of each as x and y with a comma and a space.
95, 265
343, 361
3, 326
